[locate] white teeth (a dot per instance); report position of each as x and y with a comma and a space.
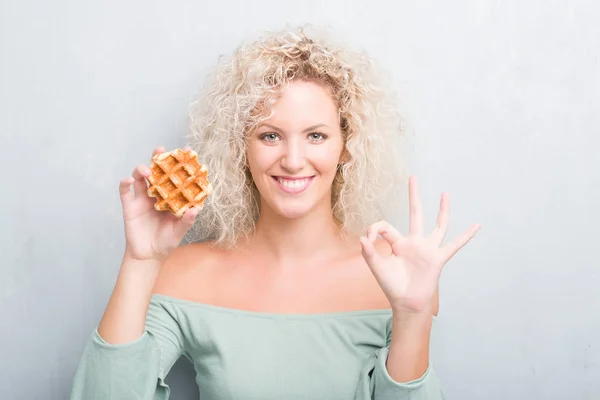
293, 184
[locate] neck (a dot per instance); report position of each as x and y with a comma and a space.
297, 242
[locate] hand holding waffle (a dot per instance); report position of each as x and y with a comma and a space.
157, 216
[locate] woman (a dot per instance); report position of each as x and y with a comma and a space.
301, 292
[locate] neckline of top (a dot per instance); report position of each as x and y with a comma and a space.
264, 314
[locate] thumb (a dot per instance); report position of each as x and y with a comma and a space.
183, 224
370, 254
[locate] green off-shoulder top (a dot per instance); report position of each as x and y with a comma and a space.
248, 355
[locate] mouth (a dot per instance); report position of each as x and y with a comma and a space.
293, 185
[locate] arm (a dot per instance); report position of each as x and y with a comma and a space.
137, 341
408, 358
125, 315
135, 345
409, 277
401, 370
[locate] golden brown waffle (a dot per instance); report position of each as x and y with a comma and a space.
178, 181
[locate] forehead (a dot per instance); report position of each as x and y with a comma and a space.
304, 102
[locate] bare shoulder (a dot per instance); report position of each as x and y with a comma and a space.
186, 264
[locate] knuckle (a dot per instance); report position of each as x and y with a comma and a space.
379, 224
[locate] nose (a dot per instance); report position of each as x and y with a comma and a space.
293, 158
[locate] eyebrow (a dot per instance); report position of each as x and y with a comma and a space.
310, 128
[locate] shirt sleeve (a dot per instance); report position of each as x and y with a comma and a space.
377, 384
134, 370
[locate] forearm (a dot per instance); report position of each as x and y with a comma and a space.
408, 358
125, 315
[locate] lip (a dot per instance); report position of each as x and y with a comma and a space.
292, 178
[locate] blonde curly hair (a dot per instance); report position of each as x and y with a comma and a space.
240, 94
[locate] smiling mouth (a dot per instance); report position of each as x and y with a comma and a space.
293, 185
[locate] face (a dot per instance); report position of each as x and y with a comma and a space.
293, 156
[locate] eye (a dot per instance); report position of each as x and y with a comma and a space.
269, 137
317, 136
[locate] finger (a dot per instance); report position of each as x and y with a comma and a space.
370, 254
386, 230
183, 224
452, 248
140, 173
125, 189
416, 213
441, 226
158, 150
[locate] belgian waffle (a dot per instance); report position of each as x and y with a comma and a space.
178, 181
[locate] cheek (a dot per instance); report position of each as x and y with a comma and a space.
259, 160
327, 166
327, 161
253, 157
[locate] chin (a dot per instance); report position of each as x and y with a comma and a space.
292, 212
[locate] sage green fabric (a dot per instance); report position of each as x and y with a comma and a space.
241, 355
